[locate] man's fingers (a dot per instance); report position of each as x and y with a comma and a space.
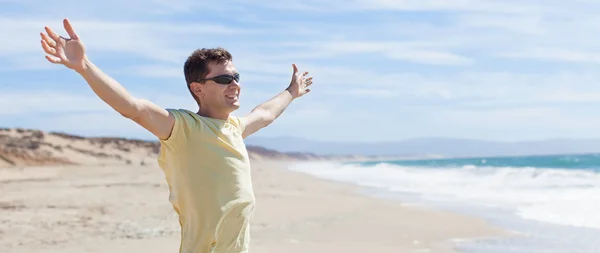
69, 29
48, 40
295, 68
47, 48
308, 80
305, 73
53, 59
52, 34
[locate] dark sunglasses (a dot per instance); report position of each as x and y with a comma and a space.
223, 79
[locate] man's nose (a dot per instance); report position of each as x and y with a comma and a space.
235, 83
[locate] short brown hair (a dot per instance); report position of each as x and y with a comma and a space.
196, 65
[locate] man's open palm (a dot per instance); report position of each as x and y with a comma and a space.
299, 84
67, 51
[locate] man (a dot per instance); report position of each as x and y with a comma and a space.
202, 153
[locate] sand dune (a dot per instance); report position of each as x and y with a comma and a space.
27, 147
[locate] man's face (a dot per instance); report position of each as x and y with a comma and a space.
217, 97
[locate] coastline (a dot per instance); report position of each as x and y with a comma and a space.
356, 222
121, 208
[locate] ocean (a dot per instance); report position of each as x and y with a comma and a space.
552, 202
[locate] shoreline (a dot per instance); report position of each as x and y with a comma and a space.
117, 208
431, 230
510, 198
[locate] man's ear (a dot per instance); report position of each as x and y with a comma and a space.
197, 88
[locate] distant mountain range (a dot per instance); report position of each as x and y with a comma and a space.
429, 146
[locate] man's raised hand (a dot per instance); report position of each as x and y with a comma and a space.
299, 84
66, 51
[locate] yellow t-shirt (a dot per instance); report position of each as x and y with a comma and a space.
207, 168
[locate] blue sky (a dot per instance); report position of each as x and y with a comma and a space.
383, 70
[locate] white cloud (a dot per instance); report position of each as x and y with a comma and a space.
467, 88
110, 8
498, 117
73, 113
470, 6
20, 102
98, 123
164, 71
431, 44
173, 6
555, 54
524, 24
308, 114
415, 51
377, 93
533, 120
65, 112
162, 41
479, 6
514, 28
28, 62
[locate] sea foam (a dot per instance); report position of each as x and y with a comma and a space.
559, 196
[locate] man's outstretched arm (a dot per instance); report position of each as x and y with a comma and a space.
71, 53
145, 113
264, 114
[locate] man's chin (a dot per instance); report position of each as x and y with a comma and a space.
234, 107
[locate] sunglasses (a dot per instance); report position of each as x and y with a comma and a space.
223, 79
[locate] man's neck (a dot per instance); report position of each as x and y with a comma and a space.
204, 112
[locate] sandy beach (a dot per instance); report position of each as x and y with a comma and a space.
124, 208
